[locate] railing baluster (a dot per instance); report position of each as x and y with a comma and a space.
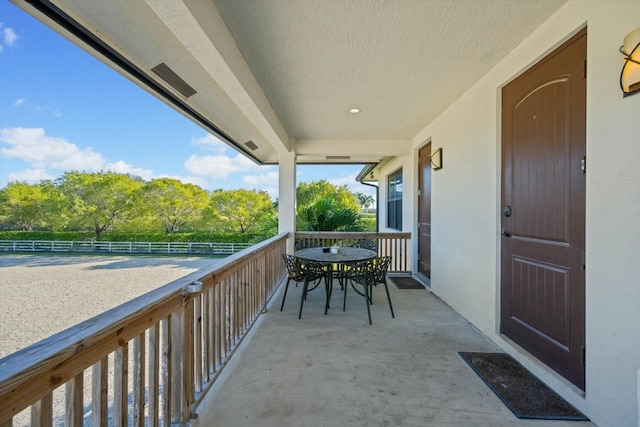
165, 330
138, 380
42, 412
74, 405
99, 399
121, 386
176, 372
154, 374
197, 314
211, 333
217, 323
187, 358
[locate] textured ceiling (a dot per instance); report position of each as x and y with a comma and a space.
284, 73
401, 62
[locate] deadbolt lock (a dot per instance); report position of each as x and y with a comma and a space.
507, 211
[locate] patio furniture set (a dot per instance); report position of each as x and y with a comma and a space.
356, 266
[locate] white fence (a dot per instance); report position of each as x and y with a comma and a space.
169, 248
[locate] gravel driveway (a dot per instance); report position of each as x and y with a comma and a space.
41, 295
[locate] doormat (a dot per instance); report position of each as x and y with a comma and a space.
524, 394
405, 282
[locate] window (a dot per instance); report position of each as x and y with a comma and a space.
394, 203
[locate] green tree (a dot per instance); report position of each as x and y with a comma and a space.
326, 214
239, 211
173, 203
365, 200
99, 201
27, 206
307, 193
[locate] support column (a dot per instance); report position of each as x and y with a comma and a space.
287, 197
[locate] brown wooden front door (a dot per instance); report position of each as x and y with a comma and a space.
543, 216
424, 211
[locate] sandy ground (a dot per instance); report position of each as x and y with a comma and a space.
42, 295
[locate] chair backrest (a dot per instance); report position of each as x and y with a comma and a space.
312, 270
294, 267
366, 244
380, 268
299, 269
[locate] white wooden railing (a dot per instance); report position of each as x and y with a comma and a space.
156, 248
149, 361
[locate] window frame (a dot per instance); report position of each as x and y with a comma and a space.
394, 199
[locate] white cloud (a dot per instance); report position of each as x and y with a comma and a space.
33, 146
219, 167
19, 102
265, 179
123, 167
7, 37
54, 111
266, 182
353, 185
210, 143
31, 176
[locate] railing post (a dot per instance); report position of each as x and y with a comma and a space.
187, 411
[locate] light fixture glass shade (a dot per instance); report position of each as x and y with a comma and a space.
630, 75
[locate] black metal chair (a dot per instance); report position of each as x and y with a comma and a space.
294, 272
313, 271
342, 273
306, 272
366, 244
368, 274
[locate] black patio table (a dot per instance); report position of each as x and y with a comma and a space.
344, 256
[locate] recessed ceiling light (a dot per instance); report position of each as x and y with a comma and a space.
354, 110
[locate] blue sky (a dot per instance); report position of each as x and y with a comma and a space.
61, 110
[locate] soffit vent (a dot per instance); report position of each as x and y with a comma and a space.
338, 157
251, 145
168, 75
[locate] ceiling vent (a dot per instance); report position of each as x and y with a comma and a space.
168, 75
338, 157
251, 145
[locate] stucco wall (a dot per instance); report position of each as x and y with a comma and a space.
466, 211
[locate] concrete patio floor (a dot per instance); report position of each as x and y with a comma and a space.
337, 370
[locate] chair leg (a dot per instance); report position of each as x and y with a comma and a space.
285, 292
328, 283
386, 288
367, 296
344, 298
328, 288
304, 296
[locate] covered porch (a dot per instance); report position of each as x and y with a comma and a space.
337, 370
213, 348
378, 83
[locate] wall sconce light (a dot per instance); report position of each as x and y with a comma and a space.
436, 159
630, 74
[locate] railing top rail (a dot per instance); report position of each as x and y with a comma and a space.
124, 242
350, 235
32, 361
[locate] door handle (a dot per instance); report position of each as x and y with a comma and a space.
506, 233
